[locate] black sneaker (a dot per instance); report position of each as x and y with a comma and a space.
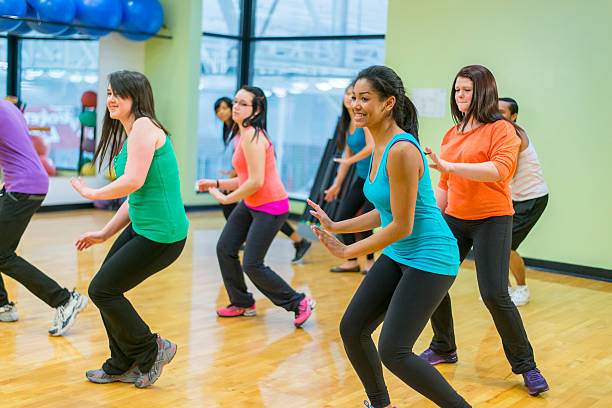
300, 250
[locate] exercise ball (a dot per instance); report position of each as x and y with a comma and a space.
48, 165
88, 169
13, 8
89, 99
99, 13
40, 145
145, 16
88, 118
21, 29
56, 11
89, 145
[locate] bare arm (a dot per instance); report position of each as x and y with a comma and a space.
364, 222
404, 166
141, 148
363, 153
332, 192
116, 224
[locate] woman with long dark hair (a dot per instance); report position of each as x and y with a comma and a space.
263, 208
223, 110
356, 144
419, 260
153, 221
477, 161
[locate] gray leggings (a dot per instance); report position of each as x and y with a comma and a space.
404, 298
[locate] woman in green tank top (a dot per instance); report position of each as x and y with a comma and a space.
154, 227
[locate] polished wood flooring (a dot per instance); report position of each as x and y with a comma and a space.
264, 361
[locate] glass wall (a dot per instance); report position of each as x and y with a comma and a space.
304, 79
54, 75
218, 77
304, 82
3, 66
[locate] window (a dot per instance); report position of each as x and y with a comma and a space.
220, 54
303, 78
275, 18
305, 82
54, 75
3, 66
219, 70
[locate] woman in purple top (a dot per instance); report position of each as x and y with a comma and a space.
24, 188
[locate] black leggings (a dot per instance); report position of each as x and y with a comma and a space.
16, 210
404, 298
491, 239
132, 259
351, 203
256, 229
228, 208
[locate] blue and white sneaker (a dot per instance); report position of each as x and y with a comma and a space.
8, 313
65, 314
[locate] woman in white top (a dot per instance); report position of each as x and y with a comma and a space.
529, 199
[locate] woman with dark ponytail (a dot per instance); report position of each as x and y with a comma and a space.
477, 161
419, 260
262, 209
356, 144
223, 110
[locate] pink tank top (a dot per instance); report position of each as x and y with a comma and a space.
272, 197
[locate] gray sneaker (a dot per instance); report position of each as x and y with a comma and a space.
65, 315
165, 353
8, 313
99, 376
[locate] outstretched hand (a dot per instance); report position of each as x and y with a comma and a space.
320, 215
81, 188
438, 164
330, 242
88, 239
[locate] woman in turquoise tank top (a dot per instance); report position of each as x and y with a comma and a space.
419, 261
154, 227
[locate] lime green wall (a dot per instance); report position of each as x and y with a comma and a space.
173, 67
554, 58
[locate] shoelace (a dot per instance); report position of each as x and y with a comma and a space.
533, 375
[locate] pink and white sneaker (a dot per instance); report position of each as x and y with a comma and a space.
235, 311
304, 311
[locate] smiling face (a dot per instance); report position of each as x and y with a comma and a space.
118, 107
369, 108
224, 112
243, 106
464, 90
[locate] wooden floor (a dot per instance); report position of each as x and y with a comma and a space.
265, 362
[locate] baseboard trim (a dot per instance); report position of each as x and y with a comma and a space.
65, 207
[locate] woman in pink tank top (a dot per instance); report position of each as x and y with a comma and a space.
257, 218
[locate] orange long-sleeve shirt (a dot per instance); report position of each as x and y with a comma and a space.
475, 200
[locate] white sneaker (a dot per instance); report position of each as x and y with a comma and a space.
520, 295
8, 313
65, 315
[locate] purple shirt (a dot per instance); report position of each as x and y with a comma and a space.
23, 171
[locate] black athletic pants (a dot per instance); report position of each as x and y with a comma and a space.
404, 298
16, 210
256, 229
132, 259
491, 239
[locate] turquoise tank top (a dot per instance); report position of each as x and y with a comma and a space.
431, 247
156, 209
356, 142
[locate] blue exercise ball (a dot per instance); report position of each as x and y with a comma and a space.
99, 13
145, 16
22, 28
13, 8
56, 11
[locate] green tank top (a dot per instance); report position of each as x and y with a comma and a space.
156, 208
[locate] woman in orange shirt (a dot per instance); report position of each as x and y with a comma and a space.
477, 160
